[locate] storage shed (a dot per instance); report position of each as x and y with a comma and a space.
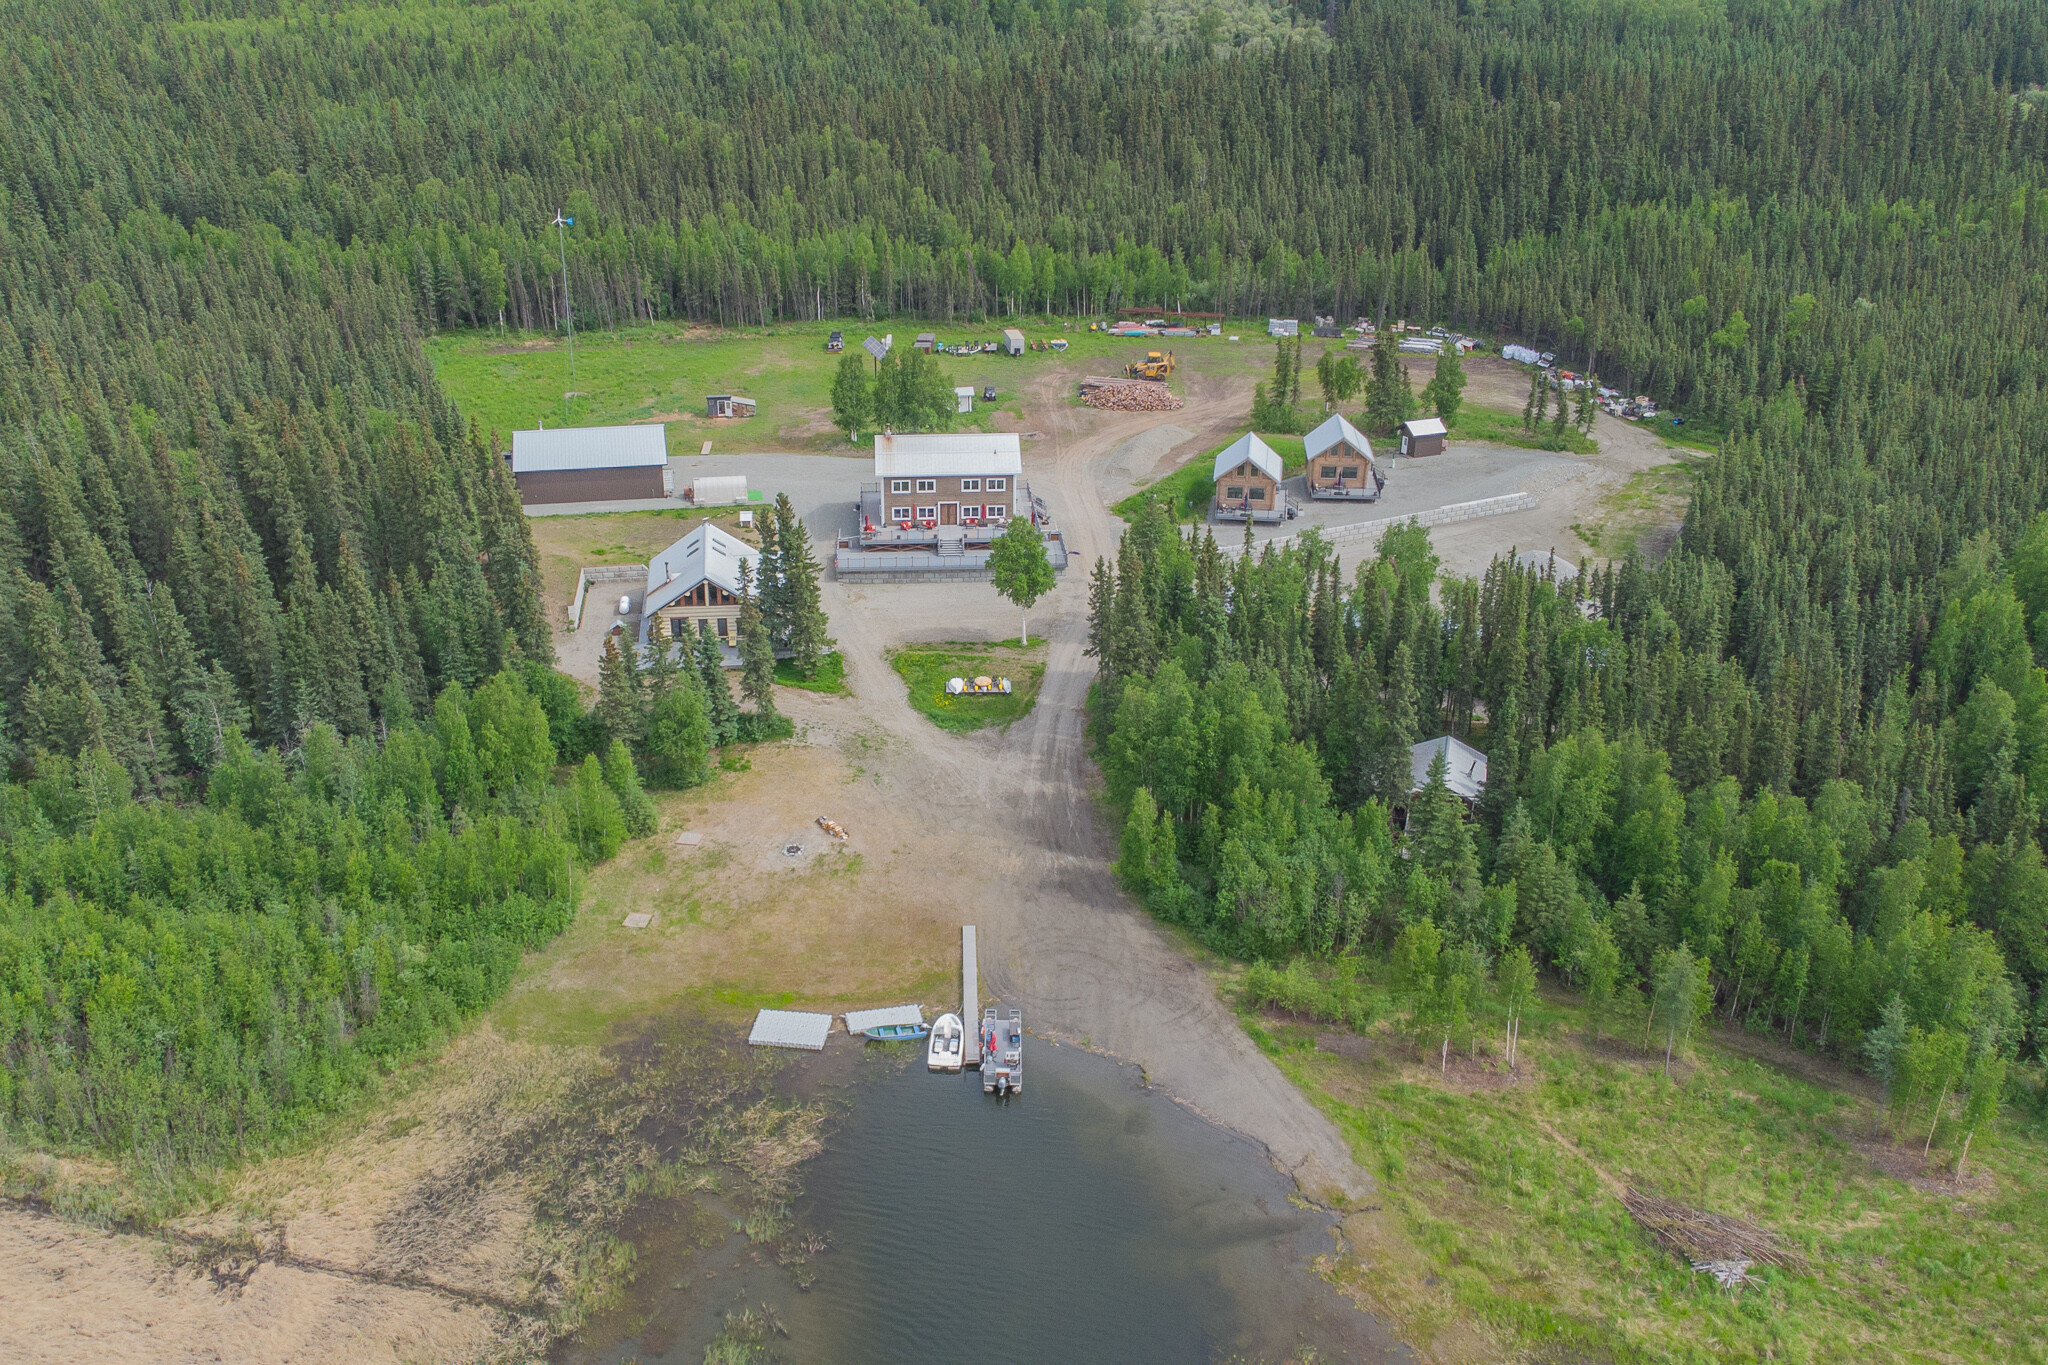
728, 405
963, 398
926, 341
1423, 436
590, 464
1013, 341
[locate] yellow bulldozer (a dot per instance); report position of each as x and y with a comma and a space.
1155, 365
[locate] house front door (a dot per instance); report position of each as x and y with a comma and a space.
949, 514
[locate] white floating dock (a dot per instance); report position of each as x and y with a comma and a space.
970, 999
791, 1028
860, 1021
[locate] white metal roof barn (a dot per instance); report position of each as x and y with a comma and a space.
628, 447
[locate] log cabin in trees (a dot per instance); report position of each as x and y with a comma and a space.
1248, 475
1340, 463
697, 579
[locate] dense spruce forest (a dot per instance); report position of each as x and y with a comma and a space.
253, 565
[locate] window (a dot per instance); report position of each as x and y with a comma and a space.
970, 511
1350, 471
996, 511
927, 485
899, 485
1257, 493
1234, 492
678, 626
721, 627
970, 485
899, 514
1330, 471
998, 485
927, 514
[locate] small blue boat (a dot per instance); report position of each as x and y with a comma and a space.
896, 1033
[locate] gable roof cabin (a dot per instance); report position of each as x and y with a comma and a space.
1464, 766
586, 464
973, 453
1336, 429
706, 555
1426, 426
1248, 448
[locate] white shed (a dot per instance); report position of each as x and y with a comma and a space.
963, 398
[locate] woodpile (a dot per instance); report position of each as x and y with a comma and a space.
832, 828
1711, 1243
1127, 395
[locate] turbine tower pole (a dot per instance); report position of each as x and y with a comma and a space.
562, 226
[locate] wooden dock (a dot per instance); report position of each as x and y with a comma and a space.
970, 999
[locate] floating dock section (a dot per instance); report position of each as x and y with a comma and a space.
789, 1028
970, 998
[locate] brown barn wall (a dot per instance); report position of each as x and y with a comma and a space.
589, 485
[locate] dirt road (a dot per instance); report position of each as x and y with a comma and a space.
1057, 936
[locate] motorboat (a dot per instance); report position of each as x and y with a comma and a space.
949, 1038
1002, 1052
896, 1033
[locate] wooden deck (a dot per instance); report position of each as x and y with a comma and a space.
970, 999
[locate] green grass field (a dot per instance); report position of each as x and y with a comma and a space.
925, 669
1476, 423
663, 371
830, 678
1499, 1210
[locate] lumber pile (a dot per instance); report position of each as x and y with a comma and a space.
1711, 1243
1127, 395
832, 828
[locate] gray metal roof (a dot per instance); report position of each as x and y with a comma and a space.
971, 453
705, 553
1336, 428
1247, 447
630, 447
860, 1021
1464, 766
791, 1028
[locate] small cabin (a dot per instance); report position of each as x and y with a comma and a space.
728, 405
1340, 463
1248, 476
1422, 436
926, 340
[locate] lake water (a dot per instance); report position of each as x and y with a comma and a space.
1088, 1219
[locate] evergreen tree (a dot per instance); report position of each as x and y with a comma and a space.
757, 653
620, 705
720, 711
1445, 391
635, 808
807, 637
1388, 399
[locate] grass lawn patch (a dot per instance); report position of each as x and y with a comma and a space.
1189, 489
1498, 1210
829, 679
1650, 499
1475, 423
926, 668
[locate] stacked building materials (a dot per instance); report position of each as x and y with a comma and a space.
1127, 395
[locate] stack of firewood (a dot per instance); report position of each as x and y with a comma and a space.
1127, 395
